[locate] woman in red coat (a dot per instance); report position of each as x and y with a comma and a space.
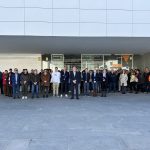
9, 85
5, 81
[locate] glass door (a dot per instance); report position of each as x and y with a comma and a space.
46, 58
72, 60
91, 61
57, 60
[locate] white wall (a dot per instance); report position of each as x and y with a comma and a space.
75, 18
20, 61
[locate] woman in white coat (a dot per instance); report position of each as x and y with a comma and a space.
123, 81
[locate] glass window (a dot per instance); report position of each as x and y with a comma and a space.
12, 3
37, 14
38, 3
112, 61
12, 28
141, 4
141, 17
57, 60
91, 61
141, 30
66, 15
65, 29
119, 4
119, 29
66, 4
93, 4
11, 14
72, 60
38, 28
92, 29
93, 16
119, 16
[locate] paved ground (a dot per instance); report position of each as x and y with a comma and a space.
118, 122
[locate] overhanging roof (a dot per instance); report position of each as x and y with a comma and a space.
74, 45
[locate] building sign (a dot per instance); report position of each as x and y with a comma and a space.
117, 65
57, 57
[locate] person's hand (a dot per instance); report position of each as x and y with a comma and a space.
74, 81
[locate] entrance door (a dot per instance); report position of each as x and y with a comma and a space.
72, 60
50, 61
57, 60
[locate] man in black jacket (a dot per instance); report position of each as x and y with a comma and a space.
146, 80
86, 79
75, 79
112, 81
35, 80
24, 80
64, 79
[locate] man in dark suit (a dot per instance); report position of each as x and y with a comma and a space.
15, 79
86, 79
75, 79
64, 79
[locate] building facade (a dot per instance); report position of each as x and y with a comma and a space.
125, 23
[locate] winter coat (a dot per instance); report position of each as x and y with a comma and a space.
45, 79
123, 79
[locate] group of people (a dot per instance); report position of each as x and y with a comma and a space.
60, 82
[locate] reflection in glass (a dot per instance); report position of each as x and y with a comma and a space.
112, 61
91, 61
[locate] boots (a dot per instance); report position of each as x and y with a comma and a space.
94, 93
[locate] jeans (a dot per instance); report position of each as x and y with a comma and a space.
86, 88
75, 89
95, 86
35, 90
112, 86
16, 90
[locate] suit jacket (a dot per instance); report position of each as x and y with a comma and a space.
24, 77
64, 76
86, 76
94, 78
13, 79
35, 78
77, 77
